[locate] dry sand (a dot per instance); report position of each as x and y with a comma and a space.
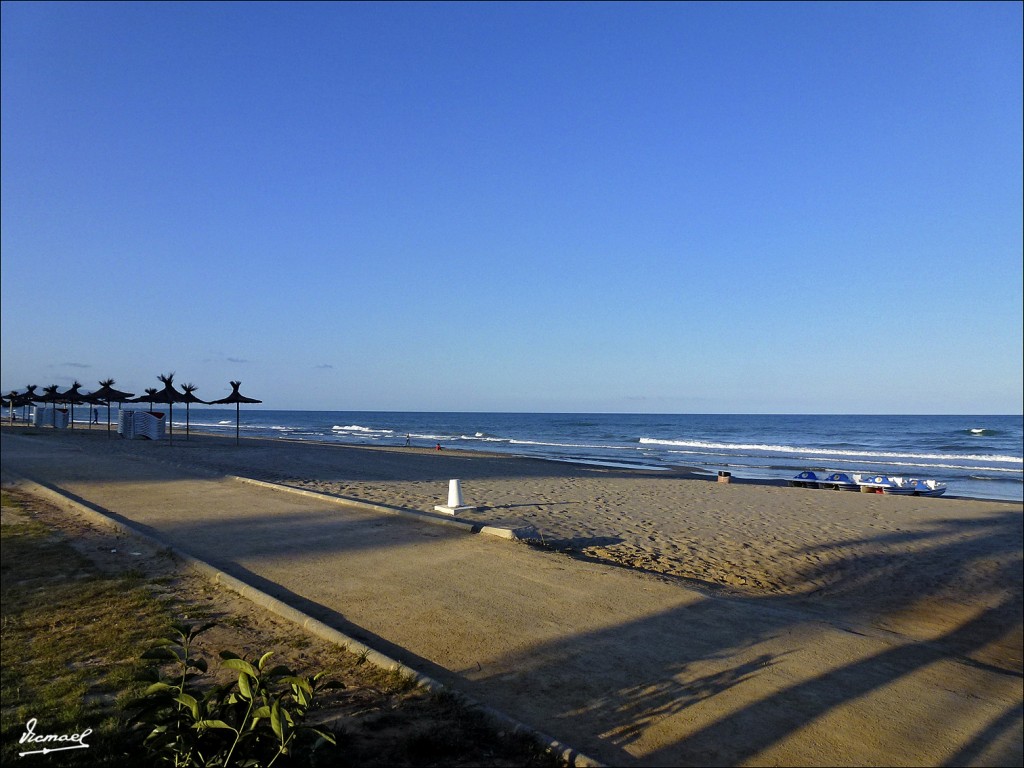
908, 641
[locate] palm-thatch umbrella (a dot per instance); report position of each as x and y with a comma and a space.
170, 396
146, 398
187, 390
107, 394
236, 398
24, 399
29, 397
49, 395
13, 400
71, 397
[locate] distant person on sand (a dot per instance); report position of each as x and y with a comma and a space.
408, 440
438, 447
95, 415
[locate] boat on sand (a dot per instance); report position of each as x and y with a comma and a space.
806, 479
928, 487
839, 481
865, 483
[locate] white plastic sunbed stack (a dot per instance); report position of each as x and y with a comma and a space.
50, 417
135, 424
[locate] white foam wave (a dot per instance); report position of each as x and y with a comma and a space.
827, 451
482, 438
929, 465
363, 430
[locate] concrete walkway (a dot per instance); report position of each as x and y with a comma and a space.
629, 668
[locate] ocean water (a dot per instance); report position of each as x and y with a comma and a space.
978, 456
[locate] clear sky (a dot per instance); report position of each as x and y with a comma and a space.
721, 207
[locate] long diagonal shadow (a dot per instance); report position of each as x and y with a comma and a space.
820, 694
667, 683
977, 750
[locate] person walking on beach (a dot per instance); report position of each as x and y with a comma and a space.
95, 415
408, 441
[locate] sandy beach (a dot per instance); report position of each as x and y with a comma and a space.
939, 577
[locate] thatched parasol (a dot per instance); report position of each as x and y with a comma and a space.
50, 395
28, 397
187, 390
13, 400
169, 395
236, 398
71, 397
107, 394
146, 398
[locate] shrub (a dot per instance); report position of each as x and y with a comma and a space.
254, 721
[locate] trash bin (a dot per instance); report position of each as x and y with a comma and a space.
725, 477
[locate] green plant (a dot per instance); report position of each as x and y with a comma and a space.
253, 721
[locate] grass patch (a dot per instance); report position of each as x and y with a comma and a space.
71, 637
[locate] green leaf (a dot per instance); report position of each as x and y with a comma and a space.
159, 687
242, 665
325, 735
264, 657
261, 712
214, 724
190, 702
164, 653
298, 682
243, 685
275, 720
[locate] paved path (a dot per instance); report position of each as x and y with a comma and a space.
629, 668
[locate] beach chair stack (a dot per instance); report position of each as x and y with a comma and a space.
132, 425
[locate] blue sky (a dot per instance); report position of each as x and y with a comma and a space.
775, 208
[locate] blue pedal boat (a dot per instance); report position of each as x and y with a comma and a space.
839, 481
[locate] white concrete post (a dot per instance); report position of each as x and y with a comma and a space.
455, 501
454, 493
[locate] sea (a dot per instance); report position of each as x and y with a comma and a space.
977, 456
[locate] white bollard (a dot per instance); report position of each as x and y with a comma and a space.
455, 501
454, 493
